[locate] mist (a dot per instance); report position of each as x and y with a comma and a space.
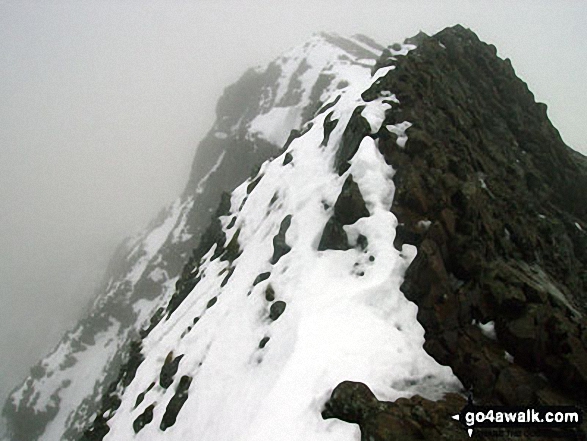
103, 104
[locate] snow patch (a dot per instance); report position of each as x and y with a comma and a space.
375, 114
400, 131
275, 125
487, 329
424, 224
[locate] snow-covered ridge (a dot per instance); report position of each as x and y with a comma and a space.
63, 392
311, 72
255, 349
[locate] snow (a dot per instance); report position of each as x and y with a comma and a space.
179, 233
381, 72
154, 241
90, 364
375, 116
404, 49
319, 57
400, 131
373, 176
345, 316
72, 375
483, 185
424, 224
158, 275
487, 329
275, 125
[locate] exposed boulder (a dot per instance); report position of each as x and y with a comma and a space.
277, 308
406, 419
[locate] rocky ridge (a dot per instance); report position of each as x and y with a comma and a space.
494, 202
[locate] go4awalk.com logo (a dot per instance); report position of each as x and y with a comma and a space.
519, 417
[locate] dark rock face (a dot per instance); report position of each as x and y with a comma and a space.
168, 370
263, 342
269, 293
351, 402
406, 419
491, 174
280, 247
356, 129
261, 277
495, 203
176, 403
143, 419
329, 125
348, 209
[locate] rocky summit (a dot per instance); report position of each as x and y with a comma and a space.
371, 238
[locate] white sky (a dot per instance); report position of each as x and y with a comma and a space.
102, 104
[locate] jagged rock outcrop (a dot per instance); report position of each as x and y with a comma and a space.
503, 241
494, 202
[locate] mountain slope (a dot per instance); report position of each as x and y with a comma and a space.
64, 389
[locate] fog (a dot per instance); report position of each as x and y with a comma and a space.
102, 104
